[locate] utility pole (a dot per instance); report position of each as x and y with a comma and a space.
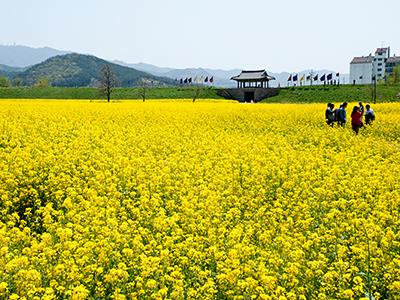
373, 84
311, 76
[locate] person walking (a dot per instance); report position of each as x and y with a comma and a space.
361, 109
369, 115
329, 114
356, 119
342, 114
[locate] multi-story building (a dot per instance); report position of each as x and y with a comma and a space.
379, 65
391, 63
363, 69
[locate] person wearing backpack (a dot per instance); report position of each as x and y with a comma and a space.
369, 115
329, 114
342, 114
336, 114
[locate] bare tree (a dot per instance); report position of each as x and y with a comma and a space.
197, 90
144, 84
108, 81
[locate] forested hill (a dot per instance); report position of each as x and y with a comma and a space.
78, 70
9, 71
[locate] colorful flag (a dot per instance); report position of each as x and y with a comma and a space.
190, 80
329, 77
315, 78
302, 78
308, 78
181, 81
295, 77
206, 80
185, 81
337, 74
211, 79
322, 78
290, 78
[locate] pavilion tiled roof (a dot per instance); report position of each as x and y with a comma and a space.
253, 75
362, 60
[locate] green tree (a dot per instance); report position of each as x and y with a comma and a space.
42, 82
4, 82
17, 82
394, 77
396, 74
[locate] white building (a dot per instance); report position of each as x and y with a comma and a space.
364, 68
361, 69
381, 56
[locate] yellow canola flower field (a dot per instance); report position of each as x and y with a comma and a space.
205, 200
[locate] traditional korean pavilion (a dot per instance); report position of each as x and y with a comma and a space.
252, 86
253, 79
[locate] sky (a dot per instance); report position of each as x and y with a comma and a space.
223, 34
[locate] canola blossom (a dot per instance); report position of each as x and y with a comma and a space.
205, 200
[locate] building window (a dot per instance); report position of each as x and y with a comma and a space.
380, 64
380, 70
380, 59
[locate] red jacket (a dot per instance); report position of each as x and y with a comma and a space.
356, 118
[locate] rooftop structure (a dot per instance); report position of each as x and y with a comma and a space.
383, 51
393, 59
253, 79
362, 60
391, 63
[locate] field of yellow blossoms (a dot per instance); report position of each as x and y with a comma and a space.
204, 200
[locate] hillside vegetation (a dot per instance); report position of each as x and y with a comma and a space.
349, 93
77, 70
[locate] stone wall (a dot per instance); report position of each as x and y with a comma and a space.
239, 94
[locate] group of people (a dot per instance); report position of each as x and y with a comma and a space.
339, 115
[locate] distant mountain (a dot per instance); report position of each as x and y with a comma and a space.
78, 70
18, 57
23, 56
222, 78
152, 69
9, 71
